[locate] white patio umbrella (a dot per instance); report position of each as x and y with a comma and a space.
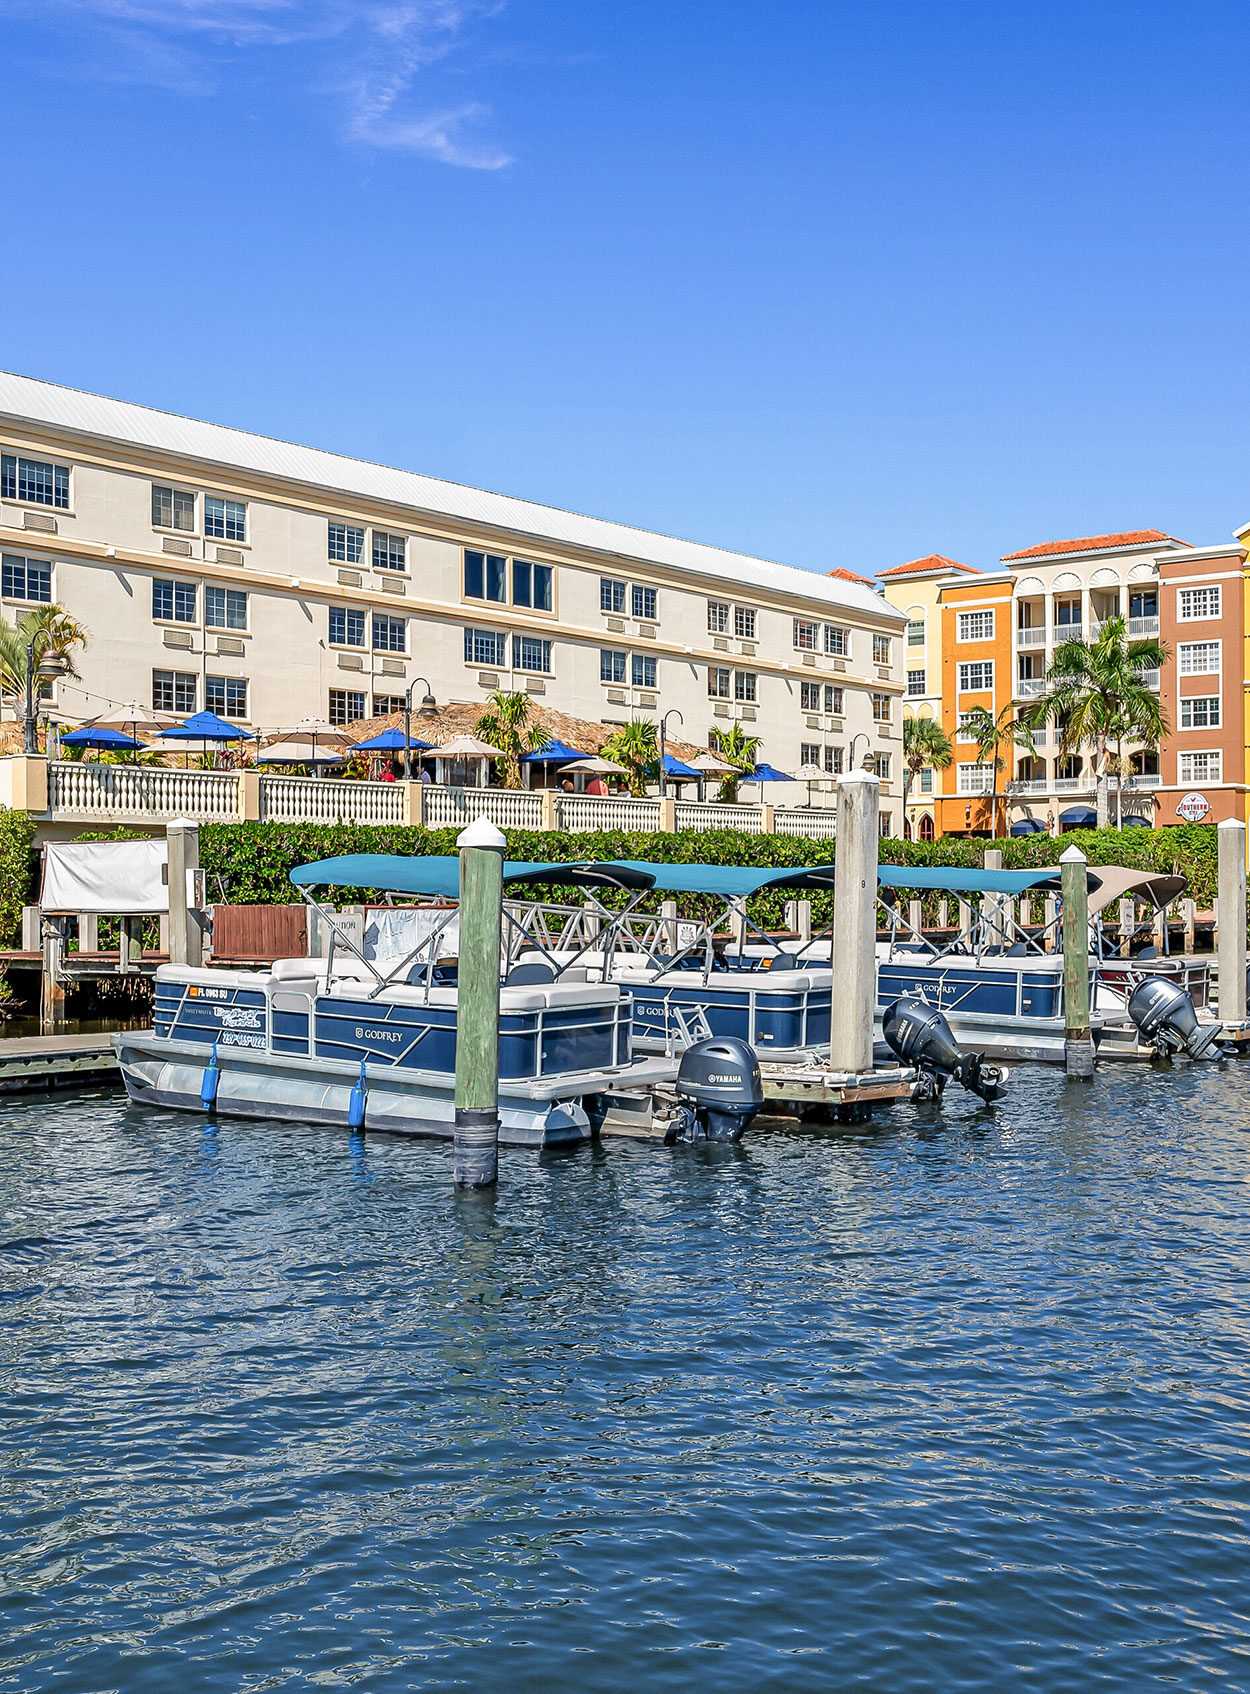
594, 766
809, 774
297, 753
465, 748
711, 764
133, 719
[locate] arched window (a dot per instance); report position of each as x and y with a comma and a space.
926, 828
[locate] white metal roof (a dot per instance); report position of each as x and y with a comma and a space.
26, 399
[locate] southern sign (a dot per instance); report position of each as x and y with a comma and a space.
1193, 808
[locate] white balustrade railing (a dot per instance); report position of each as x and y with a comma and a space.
506, 808
1142, 629
1030, 687
1150, 679
1029, 785
1073, 785
158, 792
578, 813
311, 799
1149, 779
712, 814
1033, 636
820, 825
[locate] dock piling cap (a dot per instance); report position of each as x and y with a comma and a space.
481, 833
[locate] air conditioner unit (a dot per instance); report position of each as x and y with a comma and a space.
747, 713
535, 685
228, 556
172, 544
177, 638
41, 521
616, 624
883, 673
720, 644
350, 579
392, 667
647, 631
488, 679
720, 708
618, 696
229, 644
646, 702
809, 658
812, 721
392, 585
839, 664
748, 648
351, 662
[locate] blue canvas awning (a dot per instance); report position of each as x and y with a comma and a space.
437, 876
1079, 817
552, 753
1028, 826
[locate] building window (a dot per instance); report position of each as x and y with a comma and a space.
963, 732
531, 653
611, 664
883, 766
531, 585
837, 641
643, 670
809, 696
390, 552
385, 704
642, 603
976, 779
35, 481
226, 695
834, 760
915, 632
1200, 711
225, 608
881, 708
975, 626
173, 601
809, 753
173, 691
172, 508
744, 623
805, 635
390, 635
347, 705
225, 519
718, 682
485, 576
345, 543
25, 579
833, 700
717, 617
880, 649
884, 824
1198, 658
976, 676
915, 683
1195, 603
484, 647
347, 626
1201, 767
926, 779
745, 686
611, 594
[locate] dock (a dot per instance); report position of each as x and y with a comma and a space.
37, 1063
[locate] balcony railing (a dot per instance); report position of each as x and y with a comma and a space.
1034, 636
1029, 785
1141, 629
1069, 632
1147, 779
1030, 687
1150, 678
1073, 784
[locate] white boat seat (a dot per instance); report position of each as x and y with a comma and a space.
215, 978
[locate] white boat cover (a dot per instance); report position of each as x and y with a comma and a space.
112, 878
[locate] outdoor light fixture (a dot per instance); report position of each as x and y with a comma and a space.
48, 668
869, 762
428, 708
671, 713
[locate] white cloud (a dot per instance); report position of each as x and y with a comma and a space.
382, 49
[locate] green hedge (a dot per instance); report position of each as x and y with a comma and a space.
18, 870
254, 860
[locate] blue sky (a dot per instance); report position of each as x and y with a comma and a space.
836, 284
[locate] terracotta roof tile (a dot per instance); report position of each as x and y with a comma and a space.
844, 575
930, 562
1094, 543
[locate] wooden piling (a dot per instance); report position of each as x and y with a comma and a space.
476, 1160
855, 923
186, 942
52, 984
1078, 1047
1230, 919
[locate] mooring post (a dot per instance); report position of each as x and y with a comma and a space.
481, 849
52, 982
1128, 923
1230, 921
186, 942
994, 928
1078, 1048
855, 923
668, 912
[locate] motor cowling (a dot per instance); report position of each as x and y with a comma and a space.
917, 1034
1165, 1018
719, 1090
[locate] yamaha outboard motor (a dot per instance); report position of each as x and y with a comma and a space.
918, 1034
1165, 1018
718, 1089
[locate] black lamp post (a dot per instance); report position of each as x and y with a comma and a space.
51, 665
869, 760
428, 705
671, 713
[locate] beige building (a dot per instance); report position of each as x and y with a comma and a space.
272, 582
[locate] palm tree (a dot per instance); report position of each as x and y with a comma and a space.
925, 742
1098, 698
508, 723
737, 748
634, 746
48, 633
992, 733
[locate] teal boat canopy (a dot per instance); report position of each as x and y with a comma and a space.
950, 879
437, 876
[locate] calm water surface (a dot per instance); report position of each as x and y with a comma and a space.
962, 1405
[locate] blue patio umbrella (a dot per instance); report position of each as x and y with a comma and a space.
677, 770
206, 726
391, 741
1028, 826
769, 773
107, 740
552, 753
1078, 817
